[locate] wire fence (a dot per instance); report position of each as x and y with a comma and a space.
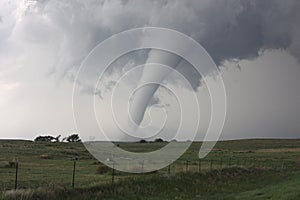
74, 173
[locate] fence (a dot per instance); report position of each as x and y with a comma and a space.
72, 172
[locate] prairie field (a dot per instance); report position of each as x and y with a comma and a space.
239, 169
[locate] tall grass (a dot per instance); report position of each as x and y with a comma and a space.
216, 184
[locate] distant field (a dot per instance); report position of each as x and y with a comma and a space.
269, 162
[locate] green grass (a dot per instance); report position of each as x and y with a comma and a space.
227, 184
211, 185
49, 165
286, 189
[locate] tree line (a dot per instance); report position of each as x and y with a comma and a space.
49, 138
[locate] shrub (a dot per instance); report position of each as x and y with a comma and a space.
102, 169
12, 164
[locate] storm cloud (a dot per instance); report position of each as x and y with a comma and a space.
231, 29
46, 40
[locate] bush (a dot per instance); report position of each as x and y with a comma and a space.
103, 169
12, 164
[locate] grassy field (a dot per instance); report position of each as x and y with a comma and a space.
242, 169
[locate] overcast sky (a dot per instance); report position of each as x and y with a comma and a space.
255, 43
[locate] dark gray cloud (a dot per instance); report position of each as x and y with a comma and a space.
69, 30
253, 26
230, 29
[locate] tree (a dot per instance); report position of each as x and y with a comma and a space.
57, 138
73, 138
143, 141
47, 138
158, 140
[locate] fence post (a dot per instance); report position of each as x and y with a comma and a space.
16, 177
74, 170
187, 166
199, 165
113, 174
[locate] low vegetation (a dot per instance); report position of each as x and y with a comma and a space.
245, 169
233, 183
